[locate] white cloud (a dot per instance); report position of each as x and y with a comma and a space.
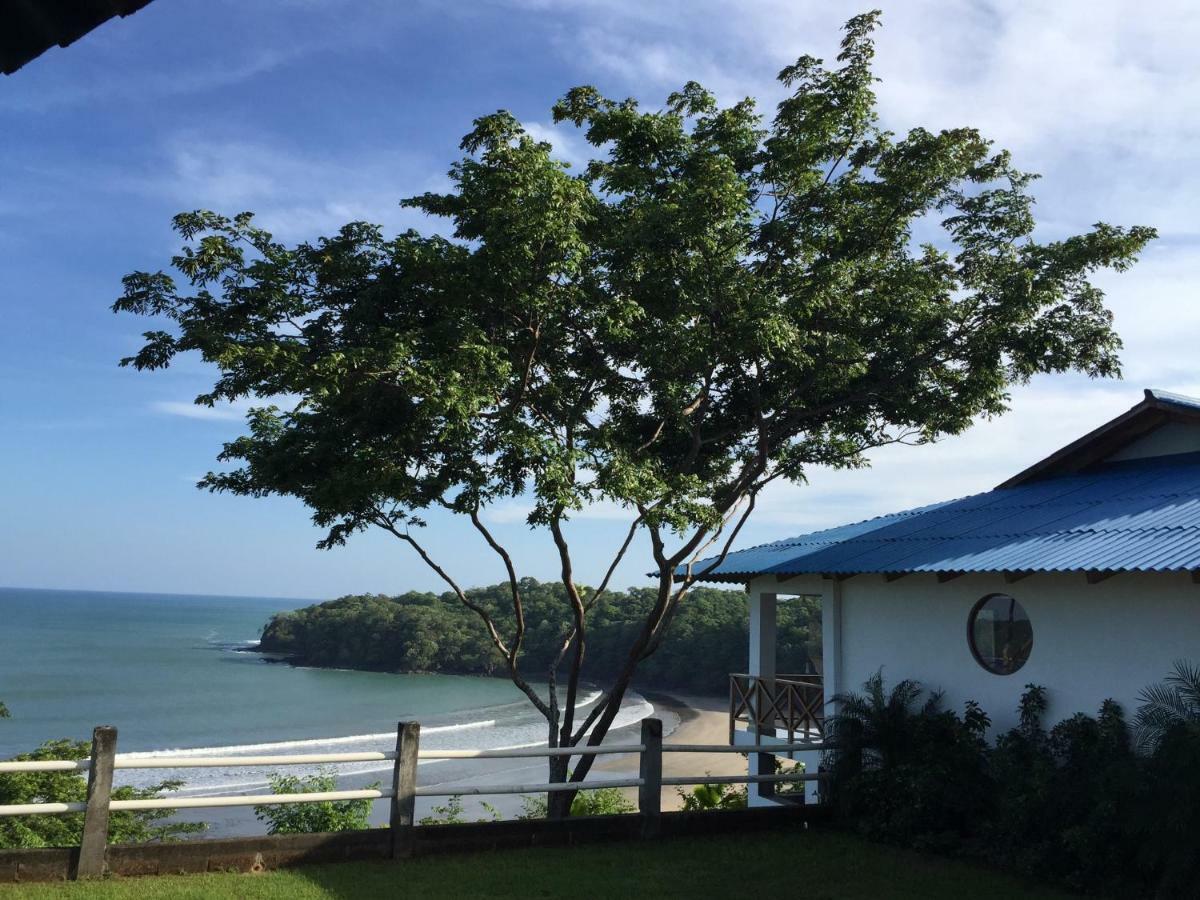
297, 195
233, 412
569, 145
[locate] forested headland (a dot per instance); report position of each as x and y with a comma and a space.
425, 632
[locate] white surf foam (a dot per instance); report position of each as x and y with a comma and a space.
522, 729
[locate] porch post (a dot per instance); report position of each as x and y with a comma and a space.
761, 666
831, 641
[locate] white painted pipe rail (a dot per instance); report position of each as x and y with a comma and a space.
45, 765
474, 790
42, 809
741, 779
291, 759
742, 748
248, 800
523, 752
308, 759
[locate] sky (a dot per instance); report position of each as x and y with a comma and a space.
315, 113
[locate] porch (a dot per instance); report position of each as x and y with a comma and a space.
767, 707
789, 707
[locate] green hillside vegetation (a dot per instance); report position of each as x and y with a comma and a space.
424, 632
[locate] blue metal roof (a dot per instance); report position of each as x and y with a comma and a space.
1141, 515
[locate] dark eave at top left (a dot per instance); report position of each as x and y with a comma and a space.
28, 28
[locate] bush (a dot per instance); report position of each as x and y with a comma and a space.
592, 802
908, 771
308, 818
1166, 821
713, 796
71, 787
1075, 805
452, 813
1065, 798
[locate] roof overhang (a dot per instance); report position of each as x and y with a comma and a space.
28, 28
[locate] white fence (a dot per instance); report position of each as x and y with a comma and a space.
402, 793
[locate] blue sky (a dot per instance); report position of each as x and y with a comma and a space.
316, 113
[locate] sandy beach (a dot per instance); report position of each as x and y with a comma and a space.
700, 720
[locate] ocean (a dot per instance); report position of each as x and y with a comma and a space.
170, 672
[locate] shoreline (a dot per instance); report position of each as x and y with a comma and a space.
701, 719
687, 719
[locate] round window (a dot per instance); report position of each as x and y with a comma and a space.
1000, 634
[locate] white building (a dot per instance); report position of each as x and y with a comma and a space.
1079, 574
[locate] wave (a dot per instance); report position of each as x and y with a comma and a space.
248, 749
521, 730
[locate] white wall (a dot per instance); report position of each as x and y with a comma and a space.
1090, 641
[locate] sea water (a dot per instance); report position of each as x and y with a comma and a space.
170, 672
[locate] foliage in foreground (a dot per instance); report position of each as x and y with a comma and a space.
71, 787
421, 632
309, 818
719, 300
1074, 804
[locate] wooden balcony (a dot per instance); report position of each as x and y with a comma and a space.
791, 706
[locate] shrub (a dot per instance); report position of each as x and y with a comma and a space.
1076, 805
1065, 798
592, 802
1166, 822
306, 818
907, 771
713, 796
71, 787
451, 813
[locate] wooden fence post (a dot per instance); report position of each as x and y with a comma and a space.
404, 784
95, 818
650, 772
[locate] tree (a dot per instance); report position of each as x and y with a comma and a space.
715, 303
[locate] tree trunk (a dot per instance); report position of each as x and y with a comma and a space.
558, 803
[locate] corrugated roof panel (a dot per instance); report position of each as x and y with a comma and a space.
1135, 515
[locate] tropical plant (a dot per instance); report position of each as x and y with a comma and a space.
1166, 821
1173, 702
904, 769
71, 787
1073, 804
306, 818
713, 796
716, 303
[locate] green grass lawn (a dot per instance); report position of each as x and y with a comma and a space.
813, 865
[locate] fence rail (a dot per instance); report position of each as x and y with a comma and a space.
402, 793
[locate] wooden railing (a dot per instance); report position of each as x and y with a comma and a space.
784, 705
402, 793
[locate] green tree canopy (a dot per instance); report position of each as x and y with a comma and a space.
717, 301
